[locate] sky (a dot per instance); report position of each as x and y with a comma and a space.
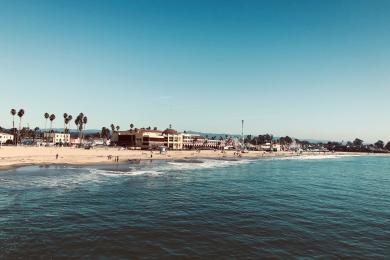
307, 69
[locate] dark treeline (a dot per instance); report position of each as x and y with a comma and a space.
356, 145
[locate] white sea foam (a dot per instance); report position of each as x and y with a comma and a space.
314, 157
118, 173
205, 164
163, 168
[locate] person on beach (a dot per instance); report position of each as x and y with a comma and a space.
56, 156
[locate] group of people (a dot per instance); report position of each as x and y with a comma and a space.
237, 154
116, 158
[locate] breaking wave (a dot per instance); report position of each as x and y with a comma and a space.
314, 157
171, 166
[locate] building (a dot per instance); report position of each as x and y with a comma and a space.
194, 141
57, 138
270, 147
172, 139
148, 139
6, 137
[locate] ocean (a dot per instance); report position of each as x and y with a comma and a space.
303, 207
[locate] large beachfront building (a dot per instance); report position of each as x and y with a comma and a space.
195, 141
148, 139
169, 138
4, 137
56, 138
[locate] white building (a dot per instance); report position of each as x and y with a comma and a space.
5, 137
57, 138
268, 147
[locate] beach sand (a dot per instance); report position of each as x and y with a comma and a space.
11, 156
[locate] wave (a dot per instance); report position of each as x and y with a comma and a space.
206, 164
119, 173
168, 167
314, 157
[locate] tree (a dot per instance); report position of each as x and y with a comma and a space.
20, 115
379, 144
65, 115
46, 116
85, 121
131, 126
13, 113
118, 127
387, 146
285, 140
80, 122
357, 142
51, 118
36, 129
105, 133
248, 139
67, 121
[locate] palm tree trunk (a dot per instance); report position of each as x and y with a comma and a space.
51, 126
80, 134
13, 128
20, 126
46, 130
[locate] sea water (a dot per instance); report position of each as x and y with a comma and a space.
330, 206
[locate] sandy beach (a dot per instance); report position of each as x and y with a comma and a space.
11, 156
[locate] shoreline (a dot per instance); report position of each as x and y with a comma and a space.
15, 157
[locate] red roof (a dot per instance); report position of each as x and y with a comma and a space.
169, 132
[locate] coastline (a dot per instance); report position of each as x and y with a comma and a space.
12, 157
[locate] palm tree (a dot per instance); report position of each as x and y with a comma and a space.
46, 116
118, 127
80, 121
131, 126
36, 129
67, 121
65, 115
51, 118
13, 113
20, 115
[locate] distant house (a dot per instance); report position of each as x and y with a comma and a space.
270, 147
98, 141
56, 138
4, 137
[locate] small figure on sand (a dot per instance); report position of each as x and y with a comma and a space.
56, 156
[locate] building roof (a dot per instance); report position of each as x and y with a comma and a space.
5, 134
150, 131
169, 131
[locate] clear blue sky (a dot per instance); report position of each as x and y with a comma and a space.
308, 69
